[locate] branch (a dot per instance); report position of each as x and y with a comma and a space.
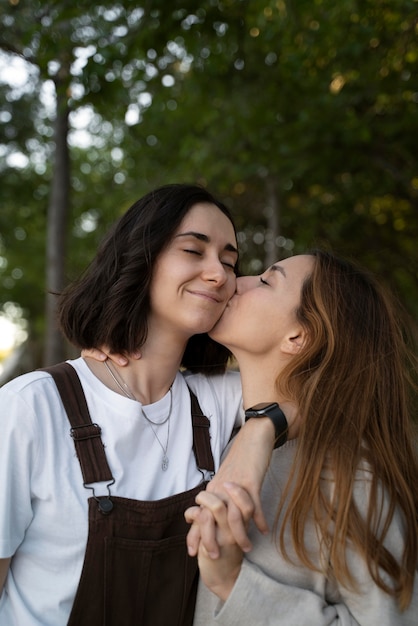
11, 49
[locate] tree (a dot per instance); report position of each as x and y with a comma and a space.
302, 115
52, 37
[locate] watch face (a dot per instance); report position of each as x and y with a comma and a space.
262, 406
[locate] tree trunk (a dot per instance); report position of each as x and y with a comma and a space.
58, 211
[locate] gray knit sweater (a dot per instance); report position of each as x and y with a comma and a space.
271, 591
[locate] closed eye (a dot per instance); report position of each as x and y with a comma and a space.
264, 282
227, 264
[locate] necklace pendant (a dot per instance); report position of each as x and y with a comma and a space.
164, 464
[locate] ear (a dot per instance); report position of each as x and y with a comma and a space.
293, 341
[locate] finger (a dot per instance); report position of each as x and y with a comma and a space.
213, 520
203, 531
123, 360
207, 527
104, 353
193, 540
259, 519
119, 359
215, 503
191, 514
241, 499
241, 509
238, 527
249, 507
98, 355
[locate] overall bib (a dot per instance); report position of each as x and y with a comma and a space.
136, 569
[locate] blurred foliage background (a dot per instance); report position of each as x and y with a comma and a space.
302, 116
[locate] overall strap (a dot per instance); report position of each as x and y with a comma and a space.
86, 435
201, 436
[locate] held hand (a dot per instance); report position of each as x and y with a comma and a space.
219, 574
239, 510
104, 353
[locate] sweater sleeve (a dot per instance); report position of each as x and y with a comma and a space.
259, 599
271, 591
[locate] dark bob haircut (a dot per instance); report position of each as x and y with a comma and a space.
109, 304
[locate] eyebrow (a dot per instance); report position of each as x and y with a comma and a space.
277, 268
206, 239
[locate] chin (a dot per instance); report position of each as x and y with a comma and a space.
204, 327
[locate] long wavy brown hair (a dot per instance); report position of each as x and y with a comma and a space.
354, 382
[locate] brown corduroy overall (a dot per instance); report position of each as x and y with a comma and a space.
136, 569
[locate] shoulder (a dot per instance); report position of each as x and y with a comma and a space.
26, 385
32, 402
220, 396
227, 384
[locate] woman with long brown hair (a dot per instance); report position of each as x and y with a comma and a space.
341, 495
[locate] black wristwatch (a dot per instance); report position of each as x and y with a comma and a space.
274, 412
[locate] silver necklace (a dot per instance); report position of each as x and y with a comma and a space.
128, 393
165, 461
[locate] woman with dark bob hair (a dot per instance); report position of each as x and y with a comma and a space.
341, 494
110, 305
99, 462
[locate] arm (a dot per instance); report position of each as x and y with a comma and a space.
258, 598
245, 465
4, 568
18, 450
247, 461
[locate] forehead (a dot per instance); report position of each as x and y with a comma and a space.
208, 219
299, 265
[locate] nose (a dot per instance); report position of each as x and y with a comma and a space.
245, 283
215, 271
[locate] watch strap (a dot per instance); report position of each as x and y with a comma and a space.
276, 415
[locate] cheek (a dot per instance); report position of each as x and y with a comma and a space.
239, 325
231, 286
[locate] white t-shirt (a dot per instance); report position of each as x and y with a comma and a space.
43, 504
